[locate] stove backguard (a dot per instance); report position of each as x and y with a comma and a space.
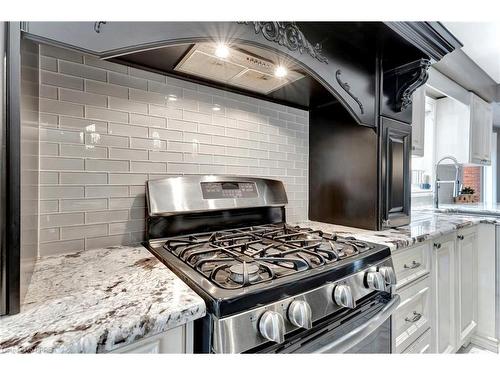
197, 204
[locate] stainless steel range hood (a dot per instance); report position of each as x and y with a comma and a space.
243, 67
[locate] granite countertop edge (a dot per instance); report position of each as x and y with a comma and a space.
97, 301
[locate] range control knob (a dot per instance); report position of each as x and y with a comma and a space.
375, 281
388, 275
342, 295
299, 314
272, 326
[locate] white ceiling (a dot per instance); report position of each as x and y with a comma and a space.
481, 42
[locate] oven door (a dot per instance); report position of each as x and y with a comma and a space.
367, 329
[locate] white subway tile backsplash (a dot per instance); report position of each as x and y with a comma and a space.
106, 165
53, 192
145, 120
60, 164
83, 151
175, 124
82, 97
128, 154
61, 247
49, 92
83, 124
105, 191
105, 114
49, 235
106, 216
149, 167
79, 231
61, 108
108, 128
48, 63
80, 70
128, 130
49, 149
128, 203
128, 105
60, 53
84, 178
106, 89
83, 205
128, 81
61, 80
49, 206
60, 220
127, 178
49, 178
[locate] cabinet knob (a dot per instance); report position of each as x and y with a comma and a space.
437, 245
460, 237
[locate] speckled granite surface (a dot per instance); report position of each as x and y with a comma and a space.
96, 301
425, 225
471, 208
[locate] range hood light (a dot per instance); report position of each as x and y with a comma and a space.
222, 51
280, 71
172, 98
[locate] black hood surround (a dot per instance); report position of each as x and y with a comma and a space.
352, 74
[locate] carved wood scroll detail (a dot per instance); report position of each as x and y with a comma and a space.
345, 86
288, 34
419, 77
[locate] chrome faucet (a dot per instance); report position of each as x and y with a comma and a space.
457, 187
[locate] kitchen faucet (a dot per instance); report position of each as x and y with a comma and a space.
456, 183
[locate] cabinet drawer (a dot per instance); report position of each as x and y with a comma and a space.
421, 345
412, 317
412, 263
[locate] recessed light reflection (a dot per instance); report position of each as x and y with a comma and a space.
221, 51
216, 108
280, 71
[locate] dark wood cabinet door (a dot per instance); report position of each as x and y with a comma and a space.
395, 157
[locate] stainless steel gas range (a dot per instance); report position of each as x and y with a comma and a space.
269, 287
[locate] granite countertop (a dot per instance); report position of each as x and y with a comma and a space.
471, 208
98, 300
425, 225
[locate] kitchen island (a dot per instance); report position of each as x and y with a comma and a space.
98, 301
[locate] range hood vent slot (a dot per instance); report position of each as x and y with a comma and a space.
241, 68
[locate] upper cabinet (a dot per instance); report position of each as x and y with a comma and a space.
418, 122
463, 131
481, 131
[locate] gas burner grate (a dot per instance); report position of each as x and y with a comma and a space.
236, 258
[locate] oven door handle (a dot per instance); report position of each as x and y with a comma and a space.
358, 334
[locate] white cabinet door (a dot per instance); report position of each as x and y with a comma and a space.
488, 133
177, 340
443, 285
418, 122
412, 317
480, 131
466, 288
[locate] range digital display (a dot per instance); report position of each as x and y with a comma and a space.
229, 189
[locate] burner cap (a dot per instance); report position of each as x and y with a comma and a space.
237, 272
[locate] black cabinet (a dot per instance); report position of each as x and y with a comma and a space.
395, 148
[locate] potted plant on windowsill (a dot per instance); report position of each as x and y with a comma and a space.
467, 195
